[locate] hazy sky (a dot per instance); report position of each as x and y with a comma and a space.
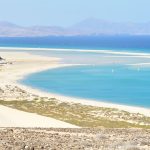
68, 12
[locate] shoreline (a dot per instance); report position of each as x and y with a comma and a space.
15, 77
124, 53
90, 102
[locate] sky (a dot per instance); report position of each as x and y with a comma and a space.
68, 12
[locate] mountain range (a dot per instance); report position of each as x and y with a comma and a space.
90, 26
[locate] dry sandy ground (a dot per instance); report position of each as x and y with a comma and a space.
14, 118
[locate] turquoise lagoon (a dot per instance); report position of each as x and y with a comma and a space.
121, 84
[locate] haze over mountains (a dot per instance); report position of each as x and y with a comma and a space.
89, 26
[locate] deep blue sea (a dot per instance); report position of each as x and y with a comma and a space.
115, 81
132, 43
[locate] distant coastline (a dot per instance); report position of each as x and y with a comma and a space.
88, 26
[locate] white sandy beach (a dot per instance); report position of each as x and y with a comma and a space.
24, 64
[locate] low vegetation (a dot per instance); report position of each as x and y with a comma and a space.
80, 115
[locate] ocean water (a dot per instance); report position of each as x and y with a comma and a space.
120, 43
107, 77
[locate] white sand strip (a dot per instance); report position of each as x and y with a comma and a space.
139, 64
101, 51
14, 118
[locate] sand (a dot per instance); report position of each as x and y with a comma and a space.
14, 118
23, 64
119, 53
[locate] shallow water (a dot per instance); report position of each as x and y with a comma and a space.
115, 84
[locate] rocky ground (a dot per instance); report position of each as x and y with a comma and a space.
74, 139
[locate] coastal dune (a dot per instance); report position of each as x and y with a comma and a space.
14, 118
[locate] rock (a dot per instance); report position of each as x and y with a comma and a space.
74, 139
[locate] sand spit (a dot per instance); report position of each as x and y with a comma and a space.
125, 52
